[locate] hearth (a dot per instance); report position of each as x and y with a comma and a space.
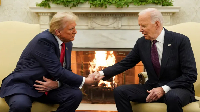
86, 62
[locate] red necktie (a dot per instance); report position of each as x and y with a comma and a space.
62, 55
154, 58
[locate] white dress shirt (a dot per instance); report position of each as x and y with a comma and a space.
59, 43
159, 46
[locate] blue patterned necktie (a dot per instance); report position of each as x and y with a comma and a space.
154, 58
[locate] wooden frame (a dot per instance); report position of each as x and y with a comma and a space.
0, 2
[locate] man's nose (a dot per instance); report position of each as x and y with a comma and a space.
141, 29
75, 31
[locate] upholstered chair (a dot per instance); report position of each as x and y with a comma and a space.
14, 36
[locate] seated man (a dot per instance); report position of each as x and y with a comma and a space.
170, 64
47, 54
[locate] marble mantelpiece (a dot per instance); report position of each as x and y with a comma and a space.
104, 28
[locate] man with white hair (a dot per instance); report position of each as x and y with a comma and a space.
47, 55
169, 61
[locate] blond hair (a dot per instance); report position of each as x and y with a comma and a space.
154, 13
59, 20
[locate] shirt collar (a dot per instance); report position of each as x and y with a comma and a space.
160, 38
59, 41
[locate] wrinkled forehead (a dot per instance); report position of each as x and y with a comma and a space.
69, 23
144, 19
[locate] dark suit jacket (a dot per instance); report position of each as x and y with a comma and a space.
40, 58
178, 66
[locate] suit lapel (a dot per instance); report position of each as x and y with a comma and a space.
147, 51
166, 50
67, 53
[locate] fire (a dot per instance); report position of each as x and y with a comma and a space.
103, 59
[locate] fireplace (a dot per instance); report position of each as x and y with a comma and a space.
86, 62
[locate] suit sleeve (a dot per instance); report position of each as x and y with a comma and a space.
44, 52
187, 66
128, 62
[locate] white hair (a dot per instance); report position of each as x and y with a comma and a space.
154, 13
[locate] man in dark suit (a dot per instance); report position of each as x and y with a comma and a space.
44, 56
169, 61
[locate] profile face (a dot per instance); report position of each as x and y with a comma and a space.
68, 33
147, 28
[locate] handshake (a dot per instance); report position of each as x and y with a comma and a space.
93, 78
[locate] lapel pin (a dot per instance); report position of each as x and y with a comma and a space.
169, 44
66, 48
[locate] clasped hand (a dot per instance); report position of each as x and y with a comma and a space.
155, 94
93, 78
45, 86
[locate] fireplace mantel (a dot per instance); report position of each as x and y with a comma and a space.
103, 18
104, 27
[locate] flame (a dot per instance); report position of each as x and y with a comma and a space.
103, 59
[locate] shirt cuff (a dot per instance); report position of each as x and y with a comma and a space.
82, 83
166, 88
101, 73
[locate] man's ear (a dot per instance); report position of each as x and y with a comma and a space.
57, 32
157, 23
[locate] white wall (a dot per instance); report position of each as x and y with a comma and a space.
189, 12
18, 10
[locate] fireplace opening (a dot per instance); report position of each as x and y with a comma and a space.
86, 62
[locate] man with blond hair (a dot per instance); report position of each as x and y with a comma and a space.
169, 61
45, 61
